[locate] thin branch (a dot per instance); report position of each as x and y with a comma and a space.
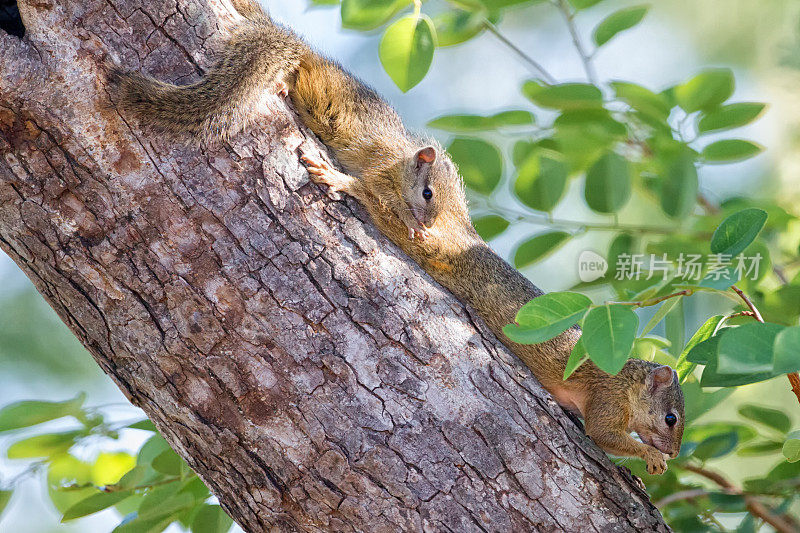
755, 507
794, 377
691, 494
741, 313
522, 216
656, 301
538, 69
749, 303
709, 207
586, 58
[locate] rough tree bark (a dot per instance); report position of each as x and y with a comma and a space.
311, 374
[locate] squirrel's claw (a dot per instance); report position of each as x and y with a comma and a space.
282, 89
417, 233
656, 462
321, 172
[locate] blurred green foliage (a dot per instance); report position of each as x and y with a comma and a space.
150, 491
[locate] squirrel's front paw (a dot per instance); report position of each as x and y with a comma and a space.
656, 462
414, 233
281, 89
323, 173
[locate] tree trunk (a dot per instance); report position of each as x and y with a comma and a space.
311, 374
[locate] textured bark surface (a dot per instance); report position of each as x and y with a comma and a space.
312, 375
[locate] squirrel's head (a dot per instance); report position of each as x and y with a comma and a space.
659, 420
432, 186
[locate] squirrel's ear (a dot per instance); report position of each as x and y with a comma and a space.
426, 155
662, 376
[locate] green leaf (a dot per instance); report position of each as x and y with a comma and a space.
747, 349
679, 187
707, 350
767, 447
597, 121
480, 163
151, 449
583, 4
539, 247
489, 227
564, 95
700, 432
144, 425
43, 445
369, 14
730, 116
608, 335
495, 6
665, 308
791, 449
406, 50
675, 327
617, 22
155, 524
477, 123
730, 151
164, 501
513, 117
624, 243
94, 503
705, 91
721, 282
737, 231
685, 365
67, 471
5, 497
608, 183
698, 402
168, 462
786, 352
29, 413
211, 519
109, 467
716, 446
547, 316
642, 99
133, 477
457, 26
541, 182
769, 417
577, 357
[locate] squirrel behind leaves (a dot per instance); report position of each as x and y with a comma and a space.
414, 194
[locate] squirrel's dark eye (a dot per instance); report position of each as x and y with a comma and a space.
427, 193
670, 419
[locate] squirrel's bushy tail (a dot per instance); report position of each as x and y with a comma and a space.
257, 59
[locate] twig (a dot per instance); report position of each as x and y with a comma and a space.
794, 378
537, 67
755, 507
749, 303
586, 58
710, 208
780, 273
741, 313
691, 494
656, 301
522, 216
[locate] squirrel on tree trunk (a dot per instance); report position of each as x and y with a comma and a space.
414, 194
